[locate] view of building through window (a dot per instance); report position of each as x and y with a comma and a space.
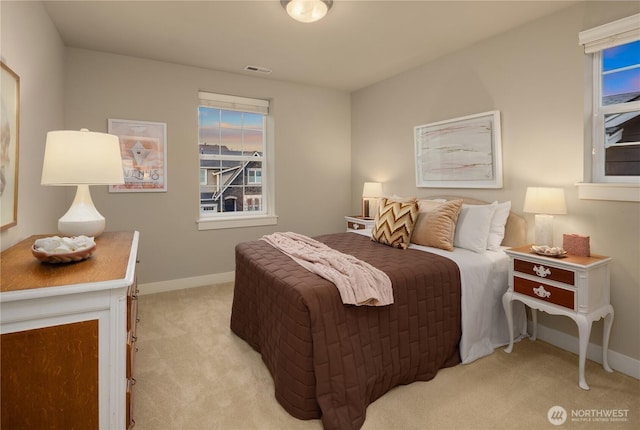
231, 147
620, 83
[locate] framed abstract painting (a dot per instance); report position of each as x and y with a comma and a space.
463, 152
9, 139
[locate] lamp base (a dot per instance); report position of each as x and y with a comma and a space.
82, 218
544, 230
369, 207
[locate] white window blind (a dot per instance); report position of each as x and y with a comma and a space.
615, 33
241, 104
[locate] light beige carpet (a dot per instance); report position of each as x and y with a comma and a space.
193, 373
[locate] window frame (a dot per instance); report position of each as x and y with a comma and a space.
596, 185
223, 220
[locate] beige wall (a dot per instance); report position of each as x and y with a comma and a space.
32, 48
534, 77
312, 150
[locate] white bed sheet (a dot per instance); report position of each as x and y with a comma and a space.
484, 280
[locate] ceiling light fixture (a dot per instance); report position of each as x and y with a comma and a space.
307, 10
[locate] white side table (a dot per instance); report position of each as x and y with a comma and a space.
573, 286
357, 222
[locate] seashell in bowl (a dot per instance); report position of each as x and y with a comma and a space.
56, 249
549, 251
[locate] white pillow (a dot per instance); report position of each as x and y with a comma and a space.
472, 228
496, 232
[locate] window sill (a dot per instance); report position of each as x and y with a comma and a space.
236, 222
605, 191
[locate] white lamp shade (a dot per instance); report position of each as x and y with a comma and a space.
543, 200
372, 189
307, 10
81, 157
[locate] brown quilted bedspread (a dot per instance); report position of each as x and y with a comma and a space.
330, 360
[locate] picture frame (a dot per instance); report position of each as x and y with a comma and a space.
464, 152
143, 147
9, 145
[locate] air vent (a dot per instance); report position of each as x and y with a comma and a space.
257, 69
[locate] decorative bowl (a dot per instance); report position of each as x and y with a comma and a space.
549, 251
63, 257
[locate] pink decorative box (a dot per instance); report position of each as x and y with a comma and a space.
576, 245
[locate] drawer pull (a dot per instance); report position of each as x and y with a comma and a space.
356, 226
541, 292
542, 271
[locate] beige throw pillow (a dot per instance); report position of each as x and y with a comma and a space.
436, 224
394, 222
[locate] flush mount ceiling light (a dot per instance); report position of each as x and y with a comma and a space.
307, 10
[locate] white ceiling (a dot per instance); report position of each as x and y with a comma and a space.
358, 43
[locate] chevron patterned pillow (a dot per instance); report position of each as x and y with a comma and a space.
394, 222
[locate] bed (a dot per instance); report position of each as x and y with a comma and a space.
330, 360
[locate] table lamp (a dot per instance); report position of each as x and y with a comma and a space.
544, 202
371, 191
82, 158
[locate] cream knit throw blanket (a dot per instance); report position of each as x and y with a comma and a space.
358, 282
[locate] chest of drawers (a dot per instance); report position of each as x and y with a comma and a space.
573, 286
68, 337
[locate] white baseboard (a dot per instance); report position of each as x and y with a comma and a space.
184, 283
621, 363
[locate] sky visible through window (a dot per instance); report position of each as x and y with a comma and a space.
621, 69
238, 131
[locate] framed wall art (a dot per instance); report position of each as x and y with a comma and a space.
143, 147
463, 152
9, 139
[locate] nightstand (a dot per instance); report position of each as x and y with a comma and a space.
357, 222
573, 286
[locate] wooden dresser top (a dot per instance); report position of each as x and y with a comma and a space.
20, 270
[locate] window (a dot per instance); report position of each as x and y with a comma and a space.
233, 147
617, 113
614, 123
254, 176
